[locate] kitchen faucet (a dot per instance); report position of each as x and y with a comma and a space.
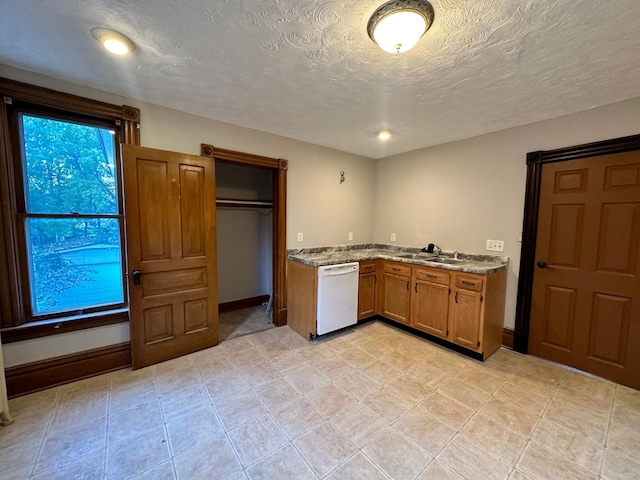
431, 248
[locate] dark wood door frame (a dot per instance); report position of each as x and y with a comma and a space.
535, 161
278, 167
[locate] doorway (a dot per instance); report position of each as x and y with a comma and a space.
579, 286
278, 170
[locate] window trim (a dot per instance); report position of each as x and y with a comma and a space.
12, 308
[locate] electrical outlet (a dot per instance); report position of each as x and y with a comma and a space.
300, 237
393, 237
350, 235
495, 245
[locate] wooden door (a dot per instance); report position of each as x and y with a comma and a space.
171, 242
366, 295
466, 313
430, 308
585, 309
395, 297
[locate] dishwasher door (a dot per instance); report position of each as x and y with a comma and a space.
337, 297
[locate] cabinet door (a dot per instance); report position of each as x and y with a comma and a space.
465, 318
395, 297
430, 308
366, 295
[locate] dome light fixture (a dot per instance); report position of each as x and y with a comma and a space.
113, 41
397, 25
384, 134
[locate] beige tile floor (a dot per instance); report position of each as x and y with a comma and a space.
371, 403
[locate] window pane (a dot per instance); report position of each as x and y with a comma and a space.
69, 167
75, 263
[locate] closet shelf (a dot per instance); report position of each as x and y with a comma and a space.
236, 203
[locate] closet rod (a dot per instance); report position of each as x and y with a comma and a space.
228, 202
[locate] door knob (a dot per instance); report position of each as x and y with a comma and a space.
542, 264
136, 277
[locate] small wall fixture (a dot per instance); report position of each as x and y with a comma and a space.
113, 41
397, 25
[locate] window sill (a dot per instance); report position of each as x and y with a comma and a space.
57, 326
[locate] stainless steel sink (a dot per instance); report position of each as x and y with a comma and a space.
430, 258
447, 260
416, 256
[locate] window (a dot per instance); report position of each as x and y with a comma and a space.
71, 218
62, 252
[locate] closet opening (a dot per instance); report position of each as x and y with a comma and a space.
251, 238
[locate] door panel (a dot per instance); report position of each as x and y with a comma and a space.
559, 315
170, 219
609, 328
565, 239
465, 320
619, 226
430, 308
585, 309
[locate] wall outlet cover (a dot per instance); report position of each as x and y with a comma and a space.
495, 245
300, 237
350, 235
393, 237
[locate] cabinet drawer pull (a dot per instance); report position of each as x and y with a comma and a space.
466, 282
456, 297
395, 269
416, 287
431, 276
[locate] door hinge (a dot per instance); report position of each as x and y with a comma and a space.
481, 298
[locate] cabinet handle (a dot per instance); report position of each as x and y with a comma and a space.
456, 297
431, 276
407, 285
416, 287
395, 269
465, 282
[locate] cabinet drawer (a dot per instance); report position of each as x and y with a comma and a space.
433, 276
469, 283
397, 269
367, 267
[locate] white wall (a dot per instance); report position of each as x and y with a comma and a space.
458, 195
316, 203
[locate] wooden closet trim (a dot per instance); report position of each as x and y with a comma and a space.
535, 161
279, 168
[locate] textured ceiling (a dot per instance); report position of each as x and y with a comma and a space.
306, 69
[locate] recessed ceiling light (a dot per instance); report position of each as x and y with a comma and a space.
384, 134
113, 41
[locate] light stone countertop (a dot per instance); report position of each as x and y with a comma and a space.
467, 262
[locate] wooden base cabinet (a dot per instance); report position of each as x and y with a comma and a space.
430, 301
396, 293
476, 311
367, 289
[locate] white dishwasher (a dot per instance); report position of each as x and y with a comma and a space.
337, 297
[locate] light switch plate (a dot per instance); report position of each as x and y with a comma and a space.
350, 235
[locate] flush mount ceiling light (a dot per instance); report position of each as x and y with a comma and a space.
113, 41
397, 25
384, 134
